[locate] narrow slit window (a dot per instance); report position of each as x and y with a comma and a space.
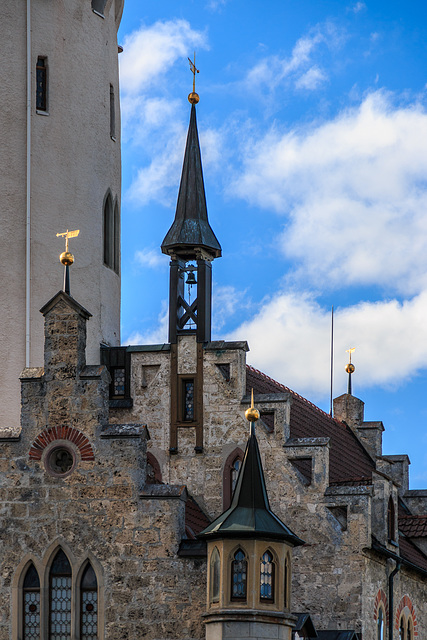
188, 392
108, 233
31, 589
239, 567
98, 6
112, 114
267, 577
60, 598
116, 239
89, 605
41, 84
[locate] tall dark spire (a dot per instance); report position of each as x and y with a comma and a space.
191, 239
191, 229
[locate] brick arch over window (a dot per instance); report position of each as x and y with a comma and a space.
406, 604
61, 433
227, 478
381, 599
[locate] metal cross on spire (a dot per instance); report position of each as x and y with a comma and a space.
193, 97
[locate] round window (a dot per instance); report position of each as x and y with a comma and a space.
60, 461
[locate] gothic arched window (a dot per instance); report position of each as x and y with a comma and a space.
31, 604
230, 475
215, 575
266, 587
60, 598
239, 571
89, 604
380, 624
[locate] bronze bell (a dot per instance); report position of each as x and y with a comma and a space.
191, 278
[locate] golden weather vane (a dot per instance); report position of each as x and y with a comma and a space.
66, 257
193, 98
350, 351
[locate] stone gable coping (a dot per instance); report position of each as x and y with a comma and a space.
125, 431
307, 442
61, 296
10, 434
165, 491
31, 373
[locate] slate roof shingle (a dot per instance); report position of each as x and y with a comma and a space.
413, 526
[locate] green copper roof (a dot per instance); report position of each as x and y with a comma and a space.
249, 515
191, 228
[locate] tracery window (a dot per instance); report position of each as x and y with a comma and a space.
267, 577
239, 568
89, 605
215, 575
60, 598
31, 604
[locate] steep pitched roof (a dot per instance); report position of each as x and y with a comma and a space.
249, 515
413, 526
349, 462
195, 519
191, 227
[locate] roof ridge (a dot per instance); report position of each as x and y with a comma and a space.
308, 402
413, 515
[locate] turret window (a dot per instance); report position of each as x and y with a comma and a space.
267, 577
31, 604
214, 574
239, 568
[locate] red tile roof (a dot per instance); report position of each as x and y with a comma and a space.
195, 519
349, 462
410, 552
413, 526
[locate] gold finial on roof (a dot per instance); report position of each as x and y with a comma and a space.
349, 367
193, 97
252, 414
66, 257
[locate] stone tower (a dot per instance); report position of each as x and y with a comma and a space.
60, 160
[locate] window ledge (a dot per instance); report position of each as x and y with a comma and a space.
42, 113
98, 14
113, 138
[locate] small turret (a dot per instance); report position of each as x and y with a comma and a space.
249, 559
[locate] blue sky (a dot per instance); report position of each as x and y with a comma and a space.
313, 129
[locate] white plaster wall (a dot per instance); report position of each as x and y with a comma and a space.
73, 164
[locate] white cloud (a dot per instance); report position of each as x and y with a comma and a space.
226, 301
290, 340
311, 79
354, 190
150, 51
151, 258
359, 6
272, 71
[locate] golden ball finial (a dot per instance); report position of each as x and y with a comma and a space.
66, 258
350, 368
193, 97
252, 414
